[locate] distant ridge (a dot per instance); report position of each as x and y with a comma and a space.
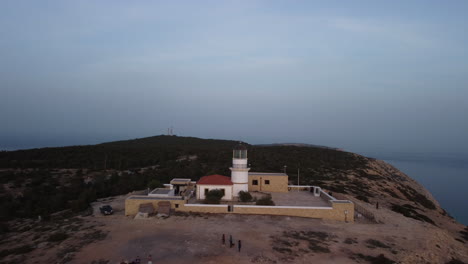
296, 145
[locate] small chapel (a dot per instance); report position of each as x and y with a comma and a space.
242, 179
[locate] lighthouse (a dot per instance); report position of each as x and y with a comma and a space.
239, 170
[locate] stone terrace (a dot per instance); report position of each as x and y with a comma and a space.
298, 198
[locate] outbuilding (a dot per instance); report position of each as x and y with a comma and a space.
268, 182
212, 182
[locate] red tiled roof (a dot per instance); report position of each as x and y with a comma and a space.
215, 180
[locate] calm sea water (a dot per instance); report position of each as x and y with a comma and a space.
445, 176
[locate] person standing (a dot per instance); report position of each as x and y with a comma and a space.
230, 241
239, 245
150, 259
223, 240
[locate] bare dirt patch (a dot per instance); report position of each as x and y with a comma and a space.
196, 238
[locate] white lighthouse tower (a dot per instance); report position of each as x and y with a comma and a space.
239, 170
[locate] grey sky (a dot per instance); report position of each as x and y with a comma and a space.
366, 75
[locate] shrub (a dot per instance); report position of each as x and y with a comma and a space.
363, 198
372, 243
153, 184
214, 196
464, 233
350, 241
16, 251
380, 259
413, 195
56, 237
4, 228
410, 211
265, 200
455, 261
245, 196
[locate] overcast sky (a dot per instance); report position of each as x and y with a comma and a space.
361, 75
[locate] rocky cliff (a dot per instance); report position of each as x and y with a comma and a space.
404, 212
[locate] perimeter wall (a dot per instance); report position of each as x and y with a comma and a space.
341, 210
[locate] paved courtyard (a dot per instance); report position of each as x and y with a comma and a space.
298, 198
291, 198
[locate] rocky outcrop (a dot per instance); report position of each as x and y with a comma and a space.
396, 200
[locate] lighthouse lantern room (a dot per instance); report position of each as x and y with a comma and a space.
240, 170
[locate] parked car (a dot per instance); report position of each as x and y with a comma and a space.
106, 210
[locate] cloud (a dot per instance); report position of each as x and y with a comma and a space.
397, 31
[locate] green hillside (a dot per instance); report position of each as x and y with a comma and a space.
42, 181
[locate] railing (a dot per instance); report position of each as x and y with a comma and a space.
326, 197
366, 213
300, 187
239, 166
359, 209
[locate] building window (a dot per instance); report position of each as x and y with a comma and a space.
223, 192
267, 181
176, 205
206, 191
254, 182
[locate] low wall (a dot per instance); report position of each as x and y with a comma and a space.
344, 210
204, 208
299, 187
338, 211
132, 203
341, 210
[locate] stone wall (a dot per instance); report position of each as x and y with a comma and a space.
204, 208
276, 184
339, 210
336, 212
132, 203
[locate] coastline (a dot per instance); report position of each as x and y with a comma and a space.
446, 183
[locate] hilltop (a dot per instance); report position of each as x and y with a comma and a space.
45, 181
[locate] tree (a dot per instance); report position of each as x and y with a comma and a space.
214, 196
245, 196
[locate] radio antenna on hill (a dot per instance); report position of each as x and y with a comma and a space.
170, 131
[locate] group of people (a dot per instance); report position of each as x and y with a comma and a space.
231, 242
138, 261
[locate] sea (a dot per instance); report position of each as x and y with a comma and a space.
444, 175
